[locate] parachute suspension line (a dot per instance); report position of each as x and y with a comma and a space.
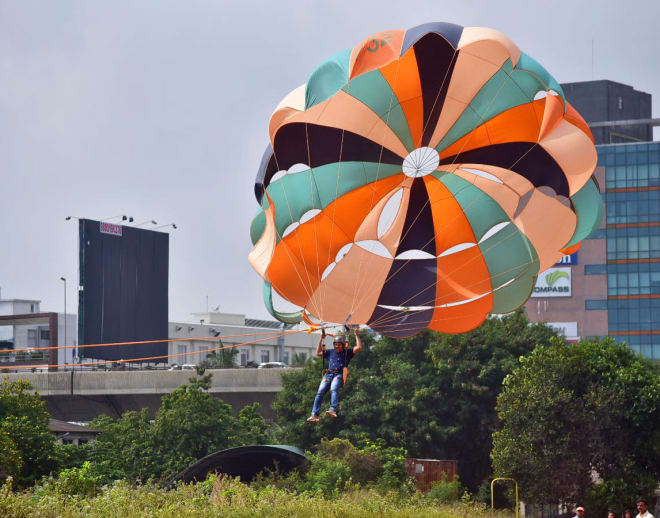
492, 247
527, 263
285, 245
324, 290
291, 260
393, 274
294, 234
313, 188
481, 120
360, 284
334, 211
149, 358
389, 316
437, 97
341, 151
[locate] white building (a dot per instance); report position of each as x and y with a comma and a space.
264, 339
17, 335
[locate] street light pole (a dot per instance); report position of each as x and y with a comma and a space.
64, 280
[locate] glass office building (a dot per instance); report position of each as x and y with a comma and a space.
632, 197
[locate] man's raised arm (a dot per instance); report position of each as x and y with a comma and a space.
358, 343
319, 347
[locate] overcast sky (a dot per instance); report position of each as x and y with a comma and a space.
159, 110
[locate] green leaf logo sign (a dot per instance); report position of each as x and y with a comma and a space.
553, 277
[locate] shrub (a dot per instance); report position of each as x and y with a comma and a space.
393, 462
229, 498
365, 466
75, 481
275, 479
327, 475
444, 491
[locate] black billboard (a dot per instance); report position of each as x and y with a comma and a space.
123, 293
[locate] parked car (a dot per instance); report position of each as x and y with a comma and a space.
272, 365
189, 366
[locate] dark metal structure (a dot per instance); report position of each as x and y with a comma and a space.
245, 462
124, 290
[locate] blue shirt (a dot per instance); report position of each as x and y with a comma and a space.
338, 360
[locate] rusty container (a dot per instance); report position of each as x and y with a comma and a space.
427, 471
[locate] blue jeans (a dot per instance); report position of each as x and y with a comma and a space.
332, 381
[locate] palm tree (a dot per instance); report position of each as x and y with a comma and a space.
299, 360
222, 359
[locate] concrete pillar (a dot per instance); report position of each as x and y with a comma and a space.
52, 353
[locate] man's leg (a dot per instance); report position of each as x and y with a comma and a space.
323, 388
337, 382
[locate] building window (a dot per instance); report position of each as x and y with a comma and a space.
595, 304
286, 357
32, 337
595, 269
620, 103
181, 349
265, 356
31, 308
44, 334
245, 357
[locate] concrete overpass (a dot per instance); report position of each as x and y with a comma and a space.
83, 395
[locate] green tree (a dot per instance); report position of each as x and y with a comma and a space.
471, 368
571, 412
10, 458
191, 423
433, 394
30, 450
252, 429
125, 448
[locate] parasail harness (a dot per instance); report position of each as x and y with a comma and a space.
325, 370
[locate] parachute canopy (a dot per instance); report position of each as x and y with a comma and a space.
423, 178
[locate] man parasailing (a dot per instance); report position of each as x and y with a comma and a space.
335, 376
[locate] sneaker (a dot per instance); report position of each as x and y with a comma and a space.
331, 412
313, 418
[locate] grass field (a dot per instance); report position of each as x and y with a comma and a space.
222, 498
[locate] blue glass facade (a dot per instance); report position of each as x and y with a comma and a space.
632, 197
